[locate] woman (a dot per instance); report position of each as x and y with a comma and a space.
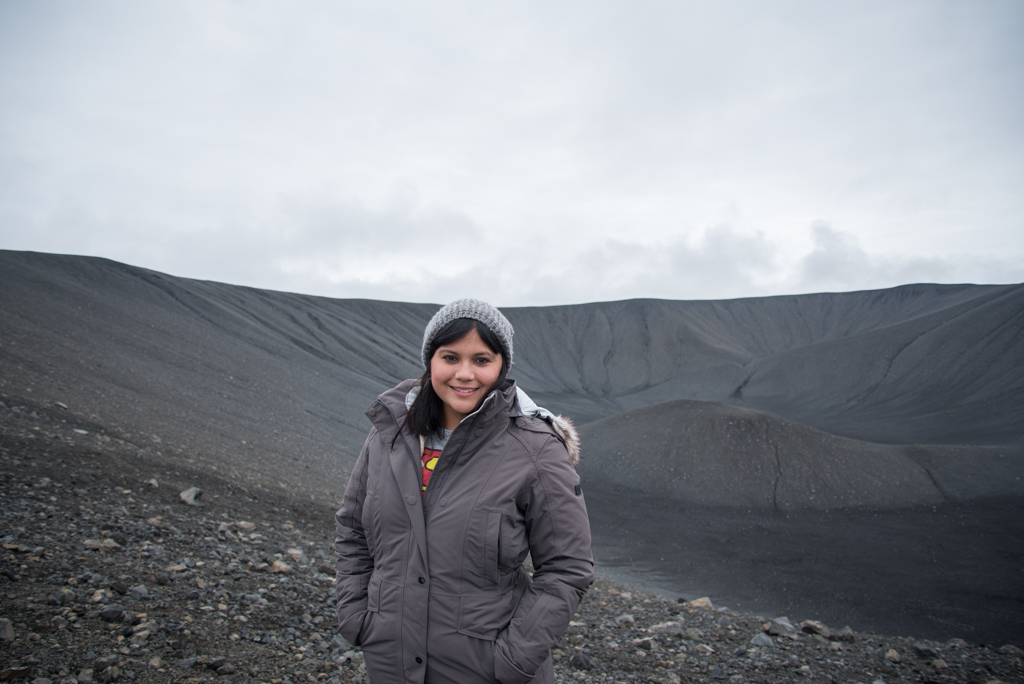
460, 478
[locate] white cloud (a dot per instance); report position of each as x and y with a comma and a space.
541, 153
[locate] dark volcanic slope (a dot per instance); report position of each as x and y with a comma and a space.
267, 386
711, 455
271, 386
920, 363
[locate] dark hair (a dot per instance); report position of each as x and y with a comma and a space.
426, 415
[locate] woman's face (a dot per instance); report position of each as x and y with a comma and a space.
462, 373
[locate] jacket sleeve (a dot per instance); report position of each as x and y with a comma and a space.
352, 552
559, 537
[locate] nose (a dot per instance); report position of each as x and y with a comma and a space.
465, 371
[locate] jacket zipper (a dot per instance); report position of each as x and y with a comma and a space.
418, 465
444, 476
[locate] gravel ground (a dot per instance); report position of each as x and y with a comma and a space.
109, 575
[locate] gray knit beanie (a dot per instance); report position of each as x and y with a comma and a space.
478, 311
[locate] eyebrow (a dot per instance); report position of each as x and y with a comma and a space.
447, 350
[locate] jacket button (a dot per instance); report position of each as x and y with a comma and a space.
478, 433
418, 660
444, 502
411, 500
422, 581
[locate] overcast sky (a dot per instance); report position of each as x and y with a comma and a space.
528, 153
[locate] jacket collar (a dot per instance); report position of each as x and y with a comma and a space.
388, 412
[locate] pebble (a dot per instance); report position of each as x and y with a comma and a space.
781, 626
6, 630
191, 496
815, 627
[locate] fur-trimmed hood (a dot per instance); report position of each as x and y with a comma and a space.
566, 430
564, 426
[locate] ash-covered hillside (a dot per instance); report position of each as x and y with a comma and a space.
270, 386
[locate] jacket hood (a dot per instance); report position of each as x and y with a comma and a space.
565, 430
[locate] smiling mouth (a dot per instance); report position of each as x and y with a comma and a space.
464, 391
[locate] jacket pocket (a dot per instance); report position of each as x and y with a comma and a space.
505, 549
492, 545
483, 616
383, 620
512, 547
373, 594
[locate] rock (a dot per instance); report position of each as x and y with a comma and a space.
298, 556
762, 640
6, 630
93, 544
645, 643
815, 627
156, 663
847, 635
625, 620
703, 602
85, 676
939, 664
956, 643
340, 643
191, 496
924, 651
280, 568
581, 661
112, 613
12, 673
892, 655
781, 626
668, 628
188, 662
140, 593
1010, 649
245, 526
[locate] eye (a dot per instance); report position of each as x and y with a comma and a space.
482, 361
450, 358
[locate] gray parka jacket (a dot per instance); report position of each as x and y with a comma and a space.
432, 587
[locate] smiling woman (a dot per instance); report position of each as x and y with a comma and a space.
457, 605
